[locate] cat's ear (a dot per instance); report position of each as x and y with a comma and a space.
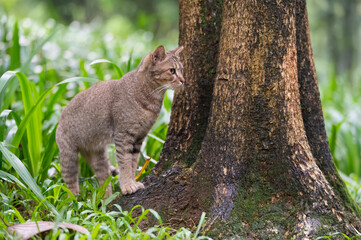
158, 54
177, 51
152, 58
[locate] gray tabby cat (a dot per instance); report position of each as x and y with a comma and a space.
120, 111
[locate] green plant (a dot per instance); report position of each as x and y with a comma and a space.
89, 211
34, 61
342, 103
31, 98
337, 234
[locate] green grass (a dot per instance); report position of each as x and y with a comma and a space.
46, 73
25, 200
19, 205
342, 110
341, 102
42, 67
338, 234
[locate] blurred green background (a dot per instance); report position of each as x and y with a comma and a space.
59, 39
61, 47
158, 16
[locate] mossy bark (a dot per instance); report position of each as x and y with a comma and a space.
246, 142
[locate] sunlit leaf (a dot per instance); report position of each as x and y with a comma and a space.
33, 128
119, 71
5, 80
10, 177
25, 175
24, 122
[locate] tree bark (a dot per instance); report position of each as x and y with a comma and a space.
312, 110
246, 142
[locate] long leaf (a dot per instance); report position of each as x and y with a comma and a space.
52, 101
12, 178
48, 155
78, 79
333, 138
15, 49
9, 95
25, 176
10, 134
200, 224
33, 129
130, 60
5, 80
119, 71
21, 129
3, 117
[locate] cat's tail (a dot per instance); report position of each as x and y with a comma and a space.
114, 171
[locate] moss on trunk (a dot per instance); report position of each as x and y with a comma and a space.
246, 141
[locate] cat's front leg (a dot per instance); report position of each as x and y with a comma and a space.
124, 143
135, 159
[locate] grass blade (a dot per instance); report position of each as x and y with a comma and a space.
119, 71
156, 215
130, 61
52, 101
3, 117
5, 80
21, 129
155, 137
201, 221
33, 129
10, 134
78, 79
9, 96
12, 178
47, 158
15, 60
333, 138
25, 176
84, 72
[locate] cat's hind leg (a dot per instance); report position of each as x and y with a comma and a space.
99, 161
69, 166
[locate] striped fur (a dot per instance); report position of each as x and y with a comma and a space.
119, 111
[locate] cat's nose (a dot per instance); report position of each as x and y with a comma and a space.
181, 79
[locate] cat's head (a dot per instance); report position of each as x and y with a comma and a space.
164, 68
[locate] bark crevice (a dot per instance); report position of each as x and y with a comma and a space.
247, 142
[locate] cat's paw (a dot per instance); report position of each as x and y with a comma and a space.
131, 187
140, 185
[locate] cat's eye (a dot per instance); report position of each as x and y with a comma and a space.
172, 70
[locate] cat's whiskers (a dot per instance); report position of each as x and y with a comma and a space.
171, 86
158, 90
163, 87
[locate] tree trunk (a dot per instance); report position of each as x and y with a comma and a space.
246, 142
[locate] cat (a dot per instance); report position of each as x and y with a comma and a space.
119, 111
